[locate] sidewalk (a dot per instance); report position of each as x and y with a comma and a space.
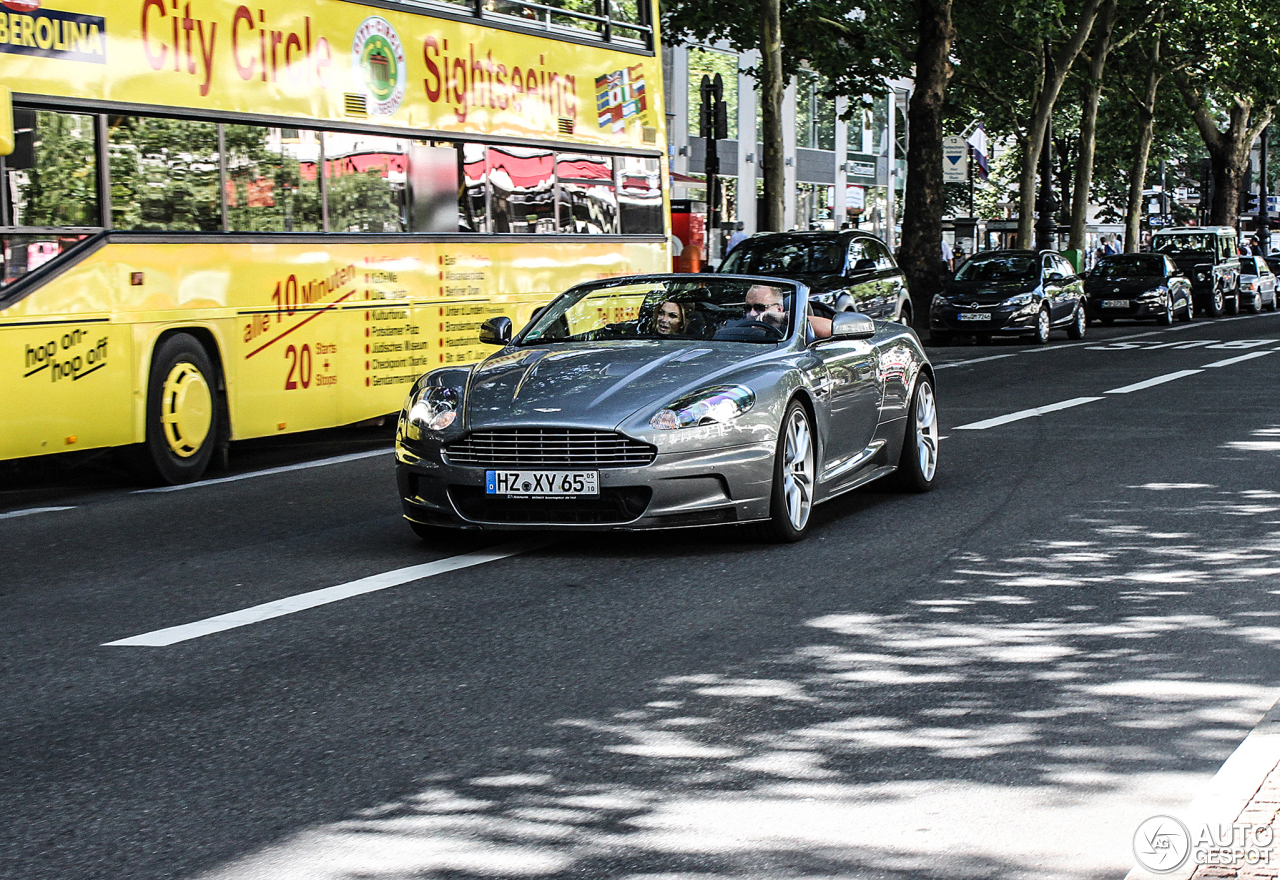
1260, 811
1230, 829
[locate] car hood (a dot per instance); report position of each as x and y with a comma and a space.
1102, 286
595, 385
985, 292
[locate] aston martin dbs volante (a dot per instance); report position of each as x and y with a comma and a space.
668, 400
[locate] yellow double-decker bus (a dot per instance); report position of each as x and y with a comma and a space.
227, 220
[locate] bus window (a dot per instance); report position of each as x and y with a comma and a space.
271, 179
52, 178
522, 182
433, 187
639, 196
366, 177
588, 202
164, 174
473, 205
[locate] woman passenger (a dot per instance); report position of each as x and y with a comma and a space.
669, 319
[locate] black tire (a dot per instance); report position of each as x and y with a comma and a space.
1043, 327
1255, 303
1165, 318
184, 411
1217, 304
1232, 304
783, 527
1079, 323
918, 461
904, 316
1189, 312
1271, 306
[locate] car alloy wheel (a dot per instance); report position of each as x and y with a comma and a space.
1043, 327
1166, 318
1255, 302
1079, 323
918, 461
798, 469
1219, 304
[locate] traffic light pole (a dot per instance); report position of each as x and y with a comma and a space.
714, 124
1264, 215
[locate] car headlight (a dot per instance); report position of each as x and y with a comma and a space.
1022, 299
939, 301
431, 408
1202, 276
1251, 284
706, 407
1153, 293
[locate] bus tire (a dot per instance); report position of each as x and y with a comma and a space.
183, 410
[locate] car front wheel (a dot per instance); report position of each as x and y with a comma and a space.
1218, 305
794, 477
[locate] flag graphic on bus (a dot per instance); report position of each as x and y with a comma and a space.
619, 96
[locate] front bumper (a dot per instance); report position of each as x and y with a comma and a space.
703, 487
998, 318
1134, 307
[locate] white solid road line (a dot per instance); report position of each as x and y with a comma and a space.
29, 511
1025, 414
337, 459
981, 360
301, 602
1158, 380
1244, 357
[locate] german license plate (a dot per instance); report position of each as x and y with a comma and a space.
974, 316
1115, 304
542, 484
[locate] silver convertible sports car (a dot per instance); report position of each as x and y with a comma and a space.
668, 400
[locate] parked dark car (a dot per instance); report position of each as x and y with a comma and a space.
1206, 255
1138, 286
847, 271
1010, 292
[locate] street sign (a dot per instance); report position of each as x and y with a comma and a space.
955, 160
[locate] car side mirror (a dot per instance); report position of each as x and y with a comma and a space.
496, 331
852, 325
864, 265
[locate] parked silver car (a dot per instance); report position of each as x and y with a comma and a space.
1257, 285
668, 400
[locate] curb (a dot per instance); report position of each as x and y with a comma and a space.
1246, 788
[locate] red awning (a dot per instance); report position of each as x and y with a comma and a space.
677, 177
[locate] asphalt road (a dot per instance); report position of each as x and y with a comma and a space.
1001, 678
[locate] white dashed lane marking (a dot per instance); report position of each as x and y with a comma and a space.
256, 614
1127, 389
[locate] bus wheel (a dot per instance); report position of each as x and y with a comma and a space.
182, 410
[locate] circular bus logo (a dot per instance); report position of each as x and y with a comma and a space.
377, 58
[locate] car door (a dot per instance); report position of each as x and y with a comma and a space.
862, 276
890, 281
851, 390
1053, 283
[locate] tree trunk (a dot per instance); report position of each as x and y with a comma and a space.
1089, 125
1056, 67
1146, 134
923, 202
771, 86
1228, 150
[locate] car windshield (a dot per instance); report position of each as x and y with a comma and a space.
1184, 243
1002, 268
786, 256
1247, 266
725, 309
1130, 267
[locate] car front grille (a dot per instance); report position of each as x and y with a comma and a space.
548, 447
